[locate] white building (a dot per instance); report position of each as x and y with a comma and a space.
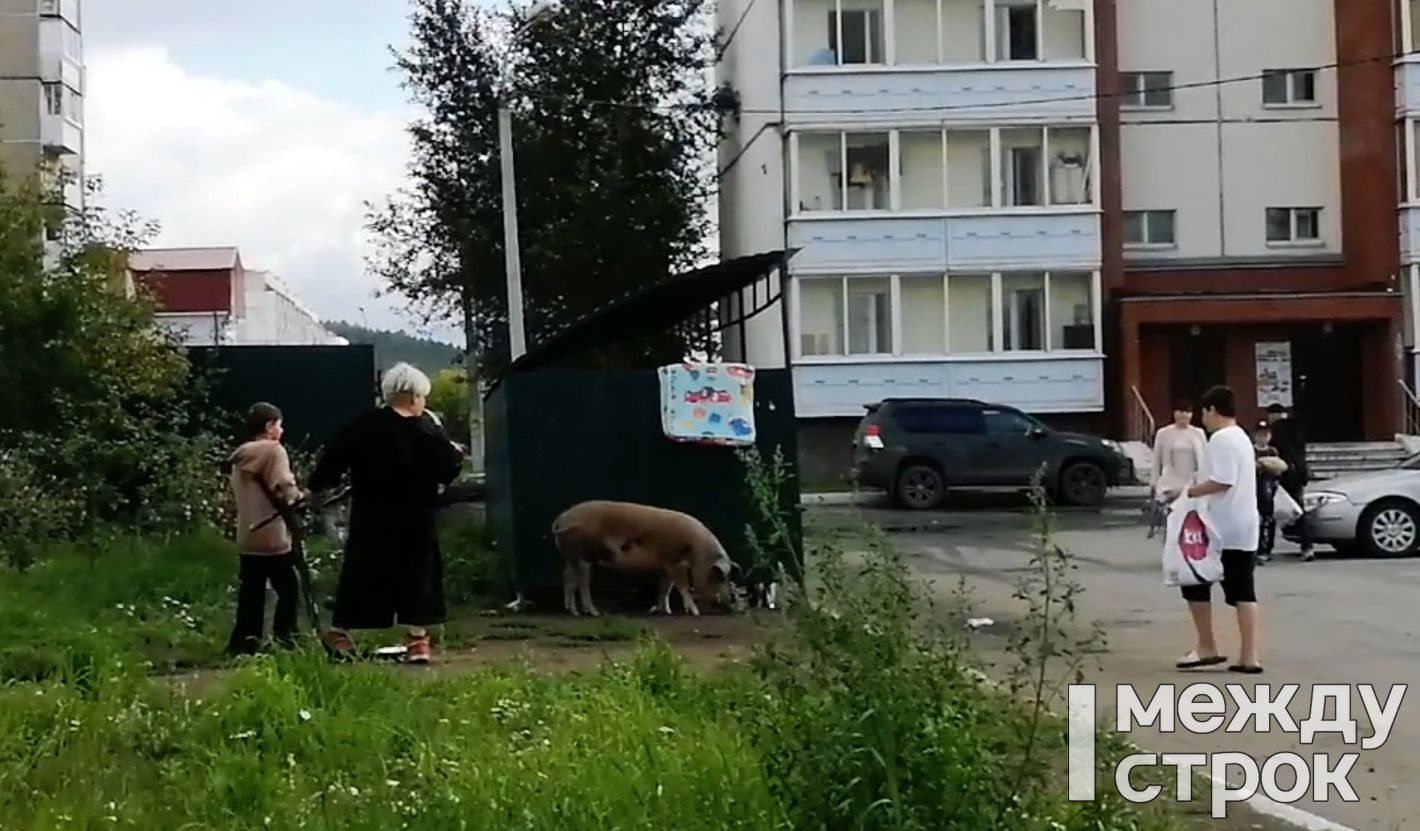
935, 161
209, 298
276, 316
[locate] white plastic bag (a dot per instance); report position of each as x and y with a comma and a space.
1193, 553
1285, 509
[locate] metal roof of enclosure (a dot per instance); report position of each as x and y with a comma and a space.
714, 298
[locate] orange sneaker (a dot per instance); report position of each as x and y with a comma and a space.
417, 649
338, 644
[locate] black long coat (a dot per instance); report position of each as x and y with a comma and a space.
393, 569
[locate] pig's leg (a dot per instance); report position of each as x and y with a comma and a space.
663, 597
584, 575
569, 588
680, 574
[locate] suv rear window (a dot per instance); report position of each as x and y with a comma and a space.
939, 418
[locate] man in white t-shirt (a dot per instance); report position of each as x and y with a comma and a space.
1229, 487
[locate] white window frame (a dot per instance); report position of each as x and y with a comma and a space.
1148, 243
996, 182
1290, 76
1293, 241
988, 34
997, 351
1134, 87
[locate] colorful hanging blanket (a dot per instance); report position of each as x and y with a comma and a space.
708, 403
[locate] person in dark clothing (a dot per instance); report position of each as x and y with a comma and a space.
1269, 467
1291, 445
397, 457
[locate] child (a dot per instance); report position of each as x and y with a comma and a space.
1270, 467
260, 468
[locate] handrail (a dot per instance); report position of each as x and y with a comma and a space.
1409, 410
1141, 421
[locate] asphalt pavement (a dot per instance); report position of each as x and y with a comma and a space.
1332, 621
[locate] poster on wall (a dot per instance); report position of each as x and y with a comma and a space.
1274, 373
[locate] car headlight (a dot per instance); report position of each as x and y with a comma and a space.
1113, 445
1313, 501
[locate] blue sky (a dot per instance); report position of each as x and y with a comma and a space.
261, 124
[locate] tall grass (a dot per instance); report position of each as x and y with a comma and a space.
864, 717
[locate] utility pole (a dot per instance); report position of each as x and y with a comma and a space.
517, 338
475, 388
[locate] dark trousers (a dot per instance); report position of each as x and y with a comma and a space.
256, 572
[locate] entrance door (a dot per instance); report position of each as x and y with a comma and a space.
1326, 379
1196, 363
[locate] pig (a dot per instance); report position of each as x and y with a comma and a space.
624, 536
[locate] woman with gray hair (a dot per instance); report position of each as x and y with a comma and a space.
397, 457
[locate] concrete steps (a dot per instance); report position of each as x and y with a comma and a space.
1327, 461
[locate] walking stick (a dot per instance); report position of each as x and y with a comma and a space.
286, 512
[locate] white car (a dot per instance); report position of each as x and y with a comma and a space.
1376, 513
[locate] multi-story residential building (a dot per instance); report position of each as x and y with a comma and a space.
42, 91
1258, 158
937, 164
991, 196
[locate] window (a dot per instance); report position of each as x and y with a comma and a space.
821, 316
920, 169
1007, 422
924, 315
1293, 226
823, 160
927, 314
1017, 30
53, 98
73, 43
1069, 165
968, 168
853, 312
1149, 229
63, 101
1146, 90
1023, 312
1022, 167
940, 418
1289, 87
860, 31
971, 313
1072, 311
869, 316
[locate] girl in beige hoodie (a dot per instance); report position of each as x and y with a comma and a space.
261, 466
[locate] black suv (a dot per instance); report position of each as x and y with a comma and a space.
917, 448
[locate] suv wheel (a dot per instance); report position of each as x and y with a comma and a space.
1391, 529
919, 487
1083, 483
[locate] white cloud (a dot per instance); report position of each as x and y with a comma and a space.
274, 170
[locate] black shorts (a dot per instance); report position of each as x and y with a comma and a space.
1237, 581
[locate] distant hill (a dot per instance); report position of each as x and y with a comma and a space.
393, 347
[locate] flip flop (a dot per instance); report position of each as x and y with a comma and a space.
1245, 670
1192, 661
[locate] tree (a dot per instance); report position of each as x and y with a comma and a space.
449, 398
99, 416
612, 126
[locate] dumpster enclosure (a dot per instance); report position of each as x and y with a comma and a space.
557, 436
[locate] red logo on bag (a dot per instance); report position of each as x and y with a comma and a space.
1193, 537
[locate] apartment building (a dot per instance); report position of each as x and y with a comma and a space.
1259, 228
1088, 209
42, 90
936, 163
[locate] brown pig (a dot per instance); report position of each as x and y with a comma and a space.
624, 536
